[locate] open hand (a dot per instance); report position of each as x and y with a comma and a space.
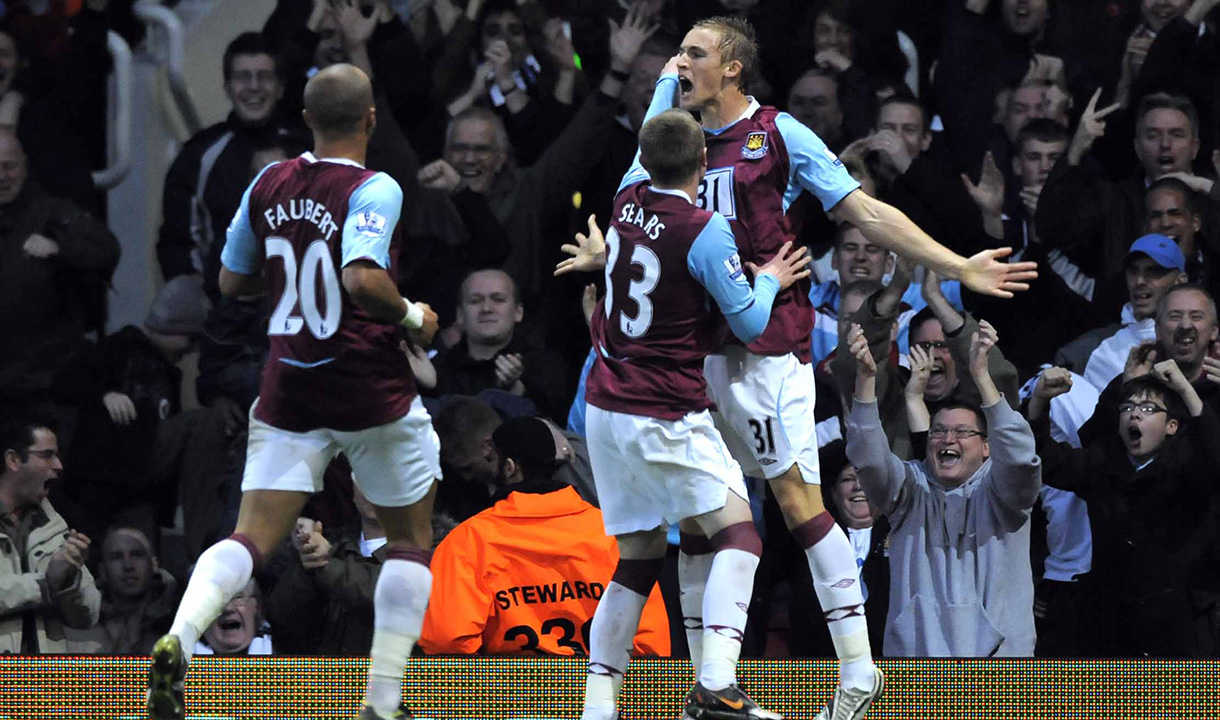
787, 267
988, 194
121, 409
627, 39
588, 254
986, 275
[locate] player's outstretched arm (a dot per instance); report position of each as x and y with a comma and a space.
887, 226
588, 254
372, 289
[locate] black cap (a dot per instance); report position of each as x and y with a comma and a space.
528, 441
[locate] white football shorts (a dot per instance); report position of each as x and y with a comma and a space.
765, 411
393, 464
651, 472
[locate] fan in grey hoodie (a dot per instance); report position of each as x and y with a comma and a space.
961, 582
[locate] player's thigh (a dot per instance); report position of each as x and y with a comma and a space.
278, 459
409, 525
736, 510
643, 545
398, 463
766, 407
266, 517
799, 500
627, 504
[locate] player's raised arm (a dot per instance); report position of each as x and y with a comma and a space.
714, 262
664, 97
818, 171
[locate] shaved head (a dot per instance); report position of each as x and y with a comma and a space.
338, 101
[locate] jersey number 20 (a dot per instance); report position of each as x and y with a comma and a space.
316, 266
638, 290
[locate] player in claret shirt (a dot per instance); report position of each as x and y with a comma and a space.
657, 457
318, 235
759, 161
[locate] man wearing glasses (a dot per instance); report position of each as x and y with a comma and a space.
44, 584
961, 582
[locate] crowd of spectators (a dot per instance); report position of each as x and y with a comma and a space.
1025, 476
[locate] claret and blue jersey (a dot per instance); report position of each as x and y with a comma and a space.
330, 365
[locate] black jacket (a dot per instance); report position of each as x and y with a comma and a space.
46, 305
544, 378
1153, 540
203, 188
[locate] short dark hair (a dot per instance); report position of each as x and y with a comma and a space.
1165, 101
248, 43
906, 97
461, 420
671, 148
1043, 130
958, 404
1152, 386
737, 42
1191, 200
921, 317
17, 431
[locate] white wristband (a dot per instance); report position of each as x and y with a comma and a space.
414, 318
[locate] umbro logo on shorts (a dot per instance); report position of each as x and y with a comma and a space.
767, 461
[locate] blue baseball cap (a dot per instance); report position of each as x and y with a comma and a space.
1163, 250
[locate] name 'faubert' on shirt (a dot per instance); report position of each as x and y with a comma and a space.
302, 209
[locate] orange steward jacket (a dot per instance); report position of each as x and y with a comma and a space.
524, 576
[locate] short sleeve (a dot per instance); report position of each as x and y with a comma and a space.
242, 253
813, 166
372, 215
714, 262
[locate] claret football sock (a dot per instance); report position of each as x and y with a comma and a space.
220, 574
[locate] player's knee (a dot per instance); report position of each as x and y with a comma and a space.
739, 536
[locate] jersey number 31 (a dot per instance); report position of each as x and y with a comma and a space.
316, 268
